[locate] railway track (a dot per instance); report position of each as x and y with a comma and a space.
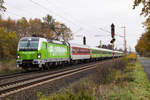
20, 85
20, 74
7, 79
13, 75
31, 72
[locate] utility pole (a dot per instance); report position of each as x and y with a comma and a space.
100, 44
129, 49
125, 42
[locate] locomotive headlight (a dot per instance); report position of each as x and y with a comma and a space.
18, 56
39, 55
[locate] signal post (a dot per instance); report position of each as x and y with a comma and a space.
113, 36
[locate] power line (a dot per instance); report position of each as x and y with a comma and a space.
71, 16
13, 14
58, 15
110, 32
36, 3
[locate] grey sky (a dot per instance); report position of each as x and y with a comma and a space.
85, 17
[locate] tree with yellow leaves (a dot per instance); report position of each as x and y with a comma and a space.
8, 44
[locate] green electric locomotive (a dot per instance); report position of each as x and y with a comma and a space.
35, 52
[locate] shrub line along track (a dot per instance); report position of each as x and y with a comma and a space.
14, 87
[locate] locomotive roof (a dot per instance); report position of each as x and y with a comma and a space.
33, 38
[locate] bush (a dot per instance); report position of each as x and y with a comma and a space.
67, 95
7, 67
131, 57
106, 73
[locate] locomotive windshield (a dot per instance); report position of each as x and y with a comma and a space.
30, 44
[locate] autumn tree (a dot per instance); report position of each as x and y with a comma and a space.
2, 8
8, 44
48, 26
62, 32
143, 45
49, 20
146, 6
58, 30
22, 27
35, 26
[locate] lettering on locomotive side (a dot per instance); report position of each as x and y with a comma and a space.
28, 52
57, 51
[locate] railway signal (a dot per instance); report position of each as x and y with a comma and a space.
84, 40
112, 30
112, 41
112, 33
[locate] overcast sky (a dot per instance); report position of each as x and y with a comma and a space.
85, 17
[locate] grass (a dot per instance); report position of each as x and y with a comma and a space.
133, 84
123, 79
8, 67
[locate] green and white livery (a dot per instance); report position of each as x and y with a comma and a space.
38, 52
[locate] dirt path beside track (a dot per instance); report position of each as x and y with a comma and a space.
146, 65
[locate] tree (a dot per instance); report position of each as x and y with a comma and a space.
35, 26
146, 6
49, 21
2, 8
62, 32
143, 45
8, 44
22, 27
48, 26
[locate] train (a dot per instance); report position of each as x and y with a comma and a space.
42, 53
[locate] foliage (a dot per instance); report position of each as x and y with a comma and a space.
2, 8
8, 67
143, 45
8, 44
105, 73
47, 28
146, 6
131, 57
133, 84
66, 96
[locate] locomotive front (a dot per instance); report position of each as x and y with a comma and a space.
29, 53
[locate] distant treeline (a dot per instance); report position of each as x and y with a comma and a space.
143, 45
12, 30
